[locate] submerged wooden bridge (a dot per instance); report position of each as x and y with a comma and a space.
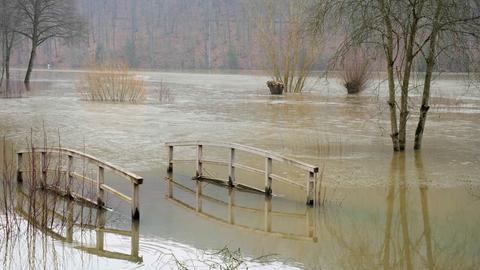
43, 155
46, 153
311, 171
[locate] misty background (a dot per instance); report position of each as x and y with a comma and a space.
165, 34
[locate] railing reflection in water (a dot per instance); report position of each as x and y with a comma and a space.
69, 221
236, 211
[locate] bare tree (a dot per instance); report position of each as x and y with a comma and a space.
454, 26
290, 51
7, 36
407, 32
46, 19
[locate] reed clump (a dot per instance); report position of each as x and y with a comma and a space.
165, 94
112, 83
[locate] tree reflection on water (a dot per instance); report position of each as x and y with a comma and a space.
408, 240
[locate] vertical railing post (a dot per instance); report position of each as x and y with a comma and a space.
19, 167
170, 172
311, 188
20, 198
100, 181
69, 175
268, 177
70, 222
43, 165
100, 230
135, 244
199, 160
231, 168
170, 186
231, 203
198, 196
170, 159
310, 219
136, 201
268, 215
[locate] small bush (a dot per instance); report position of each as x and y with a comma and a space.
356, 74
113, 83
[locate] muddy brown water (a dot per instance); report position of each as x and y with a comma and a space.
405, 211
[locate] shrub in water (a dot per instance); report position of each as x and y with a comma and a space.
113, 83
356, 74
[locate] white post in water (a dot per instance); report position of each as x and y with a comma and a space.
199, 161
268, 177
100, 181
19, 167
231, 170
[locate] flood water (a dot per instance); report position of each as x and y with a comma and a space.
382, 210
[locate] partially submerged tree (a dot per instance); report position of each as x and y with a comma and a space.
291, 52
8, 20
407, 32
46, 19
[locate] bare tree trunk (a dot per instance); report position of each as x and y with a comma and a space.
208, 36
427, 83
425, 99
2, 72
391, 79
6, 64
406, 79
114, 25
7, 69
33, 54
7, 45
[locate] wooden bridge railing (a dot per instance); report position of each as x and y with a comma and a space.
311, 181
101, 187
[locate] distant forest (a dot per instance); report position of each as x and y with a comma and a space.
175, 35
161, 34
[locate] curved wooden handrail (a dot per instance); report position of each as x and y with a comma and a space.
249, 149
120, 171
311, 170
135, 180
